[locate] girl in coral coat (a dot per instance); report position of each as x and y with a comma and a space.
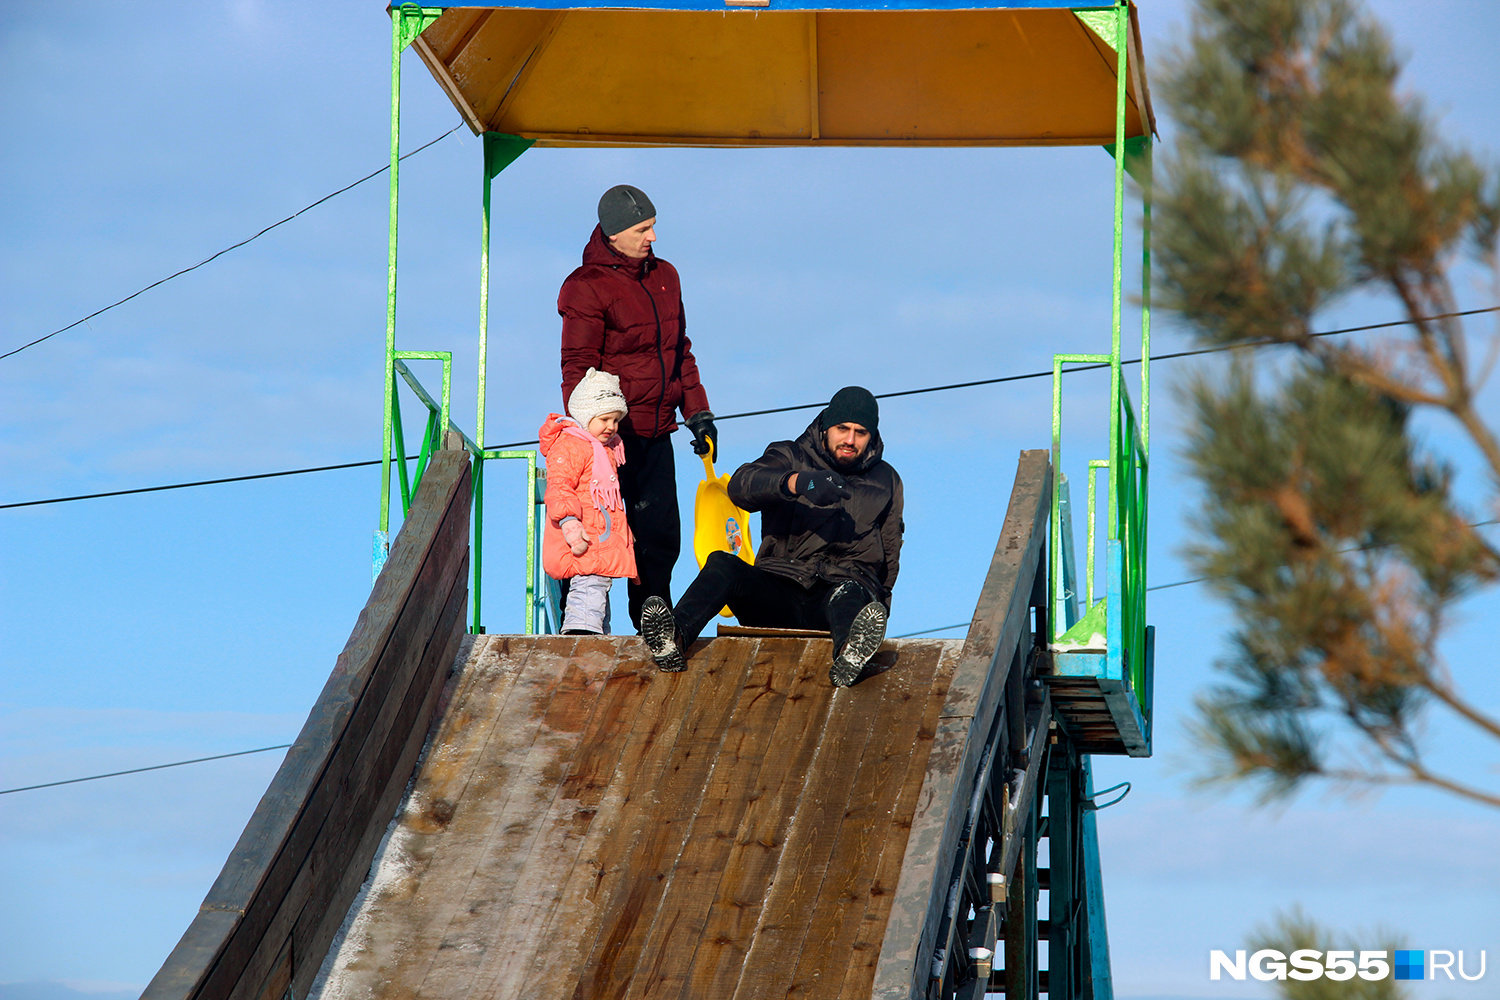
586, 540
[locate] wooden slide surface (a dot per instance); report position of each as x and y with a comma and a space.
584, 826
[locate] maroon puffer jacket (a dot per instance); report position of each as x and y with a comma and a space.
624, 317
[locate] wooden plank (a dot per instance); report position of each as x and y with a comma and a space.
261, 865
865, 834
379, 953
518, 937
519, 754
663, 820
319, 925
877, 921
802, 672
572, 928
810, 840
743, 631
1000, 618
667, 959
331, 848
339, 809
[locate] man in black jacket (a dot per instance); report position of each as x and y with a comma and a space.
830, 544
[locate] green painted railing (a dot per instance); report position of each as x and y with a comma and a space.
407, 22
438, 426
1119, 615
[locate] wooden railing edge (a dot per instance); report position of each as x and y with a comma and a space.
969, 715
217, 956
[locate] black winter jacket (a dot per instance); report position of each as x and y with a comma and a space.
857, 539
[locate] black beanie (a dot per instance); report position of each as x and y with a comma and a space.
624, 206
852, 404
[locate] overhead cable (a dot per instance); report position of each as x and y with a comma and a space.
236, 246
138, 770
759, 413
929, 631
1084, 368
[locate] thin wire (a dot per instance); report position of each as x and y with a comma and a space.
1081, 368
929, 631
757, 413
201, 482
138, 770
236, 246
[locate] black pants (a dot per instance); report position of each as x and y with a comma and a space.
765, 600
648, 485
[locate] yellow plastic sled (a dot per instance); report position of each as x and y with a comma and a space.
719, 525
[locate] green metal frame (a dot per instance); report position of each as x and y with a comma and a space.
1122, 610
407, 22
1123, 606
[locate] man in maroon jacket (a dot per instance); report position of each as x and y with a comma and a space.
622, 314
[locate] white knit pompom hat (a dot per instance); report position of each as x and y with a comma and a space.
597, 392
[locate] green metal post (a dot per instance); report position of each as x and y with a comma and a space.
1146, 187
1088, 594
398, 441
382, 535
407, 22
1118, 467
500, 150
531, 569
477, 628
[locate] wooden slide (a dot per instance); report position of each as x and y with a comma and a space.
584, 825
527, 817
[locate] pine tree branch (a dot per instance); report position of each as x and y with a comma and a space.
1417, 775
1448, 696
1483, 438
1421, 775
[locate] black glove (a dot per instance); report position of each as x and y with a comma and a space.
822, 489
705, 435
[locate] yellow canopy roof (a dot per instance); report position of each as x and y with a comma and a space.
1015, 76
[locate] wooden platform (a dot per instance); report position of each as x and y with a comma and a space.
584, 826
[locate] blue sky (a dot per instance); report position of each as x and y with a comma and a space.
159, 627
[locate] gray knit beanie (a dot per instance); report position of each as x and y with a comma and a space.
597, 392
624, 206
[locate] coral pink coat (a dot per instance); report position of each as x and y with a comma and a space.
582, 482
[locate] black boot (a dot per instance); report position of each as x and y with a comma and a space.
663, 638
866, 633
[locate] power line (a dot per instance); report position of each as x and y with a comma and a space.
138, 770
183, 486
929, 631
759, 413
236, 246
1083, 368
